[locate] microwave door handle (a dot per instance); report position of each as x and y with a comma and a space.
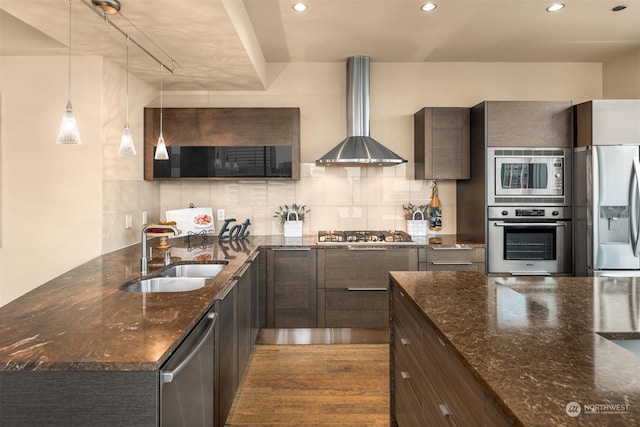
634, 197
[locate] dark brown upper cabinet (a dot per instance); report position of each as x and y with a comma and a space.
223, 143
528, 123
441, 143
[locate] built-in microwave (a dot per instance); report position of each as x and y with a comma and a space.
518, 176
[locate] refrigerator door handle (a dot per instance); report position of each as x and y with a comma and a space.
595, 206
634, 198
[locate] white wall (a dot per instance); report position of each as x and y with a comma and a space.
51, 195
366, 197
63, 205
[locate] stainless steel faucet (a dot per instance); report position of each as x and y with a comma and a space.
144, 261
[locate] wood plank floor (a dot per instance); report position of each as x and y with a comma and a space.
314, 385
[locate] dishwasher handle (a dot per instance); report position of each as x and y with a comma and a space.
169, 376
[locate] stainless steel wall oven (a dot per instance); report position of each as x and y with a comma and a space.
529, 240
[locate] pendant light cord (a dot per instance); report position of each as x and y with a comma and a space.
126, 120
69, 68
161, 102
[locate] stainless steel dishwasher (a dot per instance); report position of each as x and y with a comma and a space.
187, 379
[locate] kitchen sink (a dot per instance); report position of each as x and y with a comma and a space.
166, 284
193, 270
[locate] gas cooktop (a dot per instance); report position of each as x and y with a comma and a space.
363, 236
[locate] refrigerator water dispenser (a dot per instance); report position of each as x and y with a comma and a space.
614, 224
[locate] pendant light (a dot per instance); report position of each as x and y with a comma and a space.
68, 133
126, 142
161, 150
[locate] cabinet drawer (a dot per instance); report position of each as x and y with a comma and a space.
366, 267
407, 410
454, 266
356, 308
407, 324
460, 392
430, 406
451, 254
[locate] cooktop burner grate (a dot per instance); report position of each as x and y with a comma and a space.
363, 236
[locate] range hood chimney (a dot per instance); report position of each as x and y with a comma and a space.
359, 149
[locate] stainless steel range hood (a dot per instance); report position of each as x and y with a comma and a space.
359, 149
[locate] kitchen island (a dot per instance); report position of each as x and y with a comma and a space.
533, 351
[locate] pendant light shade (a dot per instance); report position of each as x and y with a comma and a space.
161, 149
69, 133
68, 128
126, 142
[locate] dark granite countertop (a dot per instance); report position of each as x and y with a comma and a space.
82, 321
538, 344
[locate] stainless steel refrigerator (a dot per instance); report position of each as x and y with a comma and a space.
607, 210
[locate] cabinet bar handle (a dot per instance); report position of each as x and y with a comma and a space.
291, 249
455, 248
244, 270
405, 375
451, 263
445, 411
366, 289
353, 248
404, 341
231, 286
441, 342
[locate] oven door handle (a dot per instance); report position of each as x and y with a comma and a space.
531, 224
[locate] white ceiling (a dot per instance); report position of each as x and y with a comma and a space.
227, 44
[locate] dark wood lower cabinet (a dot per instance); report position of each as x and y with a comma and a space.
357, 308
226, 354
354, 282
429, 384
236, 332
291, 288
247, 312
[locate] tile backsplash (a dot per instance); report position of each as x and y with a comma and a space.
340, 198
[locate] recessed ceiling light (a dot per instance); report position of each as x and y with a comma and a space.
299, 7
428, 7
619, 7
555, 7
